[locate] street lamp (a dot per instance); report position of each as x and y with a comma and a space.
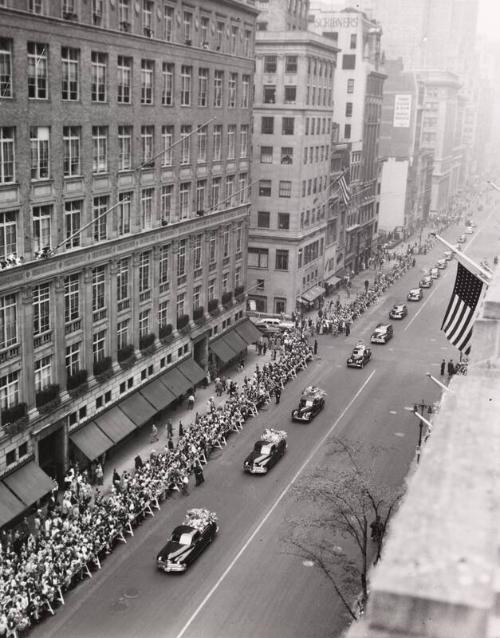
421, 422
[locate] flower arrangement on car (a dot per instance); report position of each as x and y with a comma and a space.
266, 452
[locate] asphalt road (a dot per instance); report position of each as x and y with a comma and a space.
247, 584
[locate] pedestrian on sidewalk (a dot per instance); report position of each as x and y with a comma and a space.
347, 328
443, 367
241, 364
198, 474
170, 444
191, 401
264, 346
154, 434
185, 485
315, 348
116, 479
277, 394
170, 429
451, 368
99, 474
181, 430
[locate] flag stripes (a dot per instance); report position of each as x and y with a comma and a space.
344, 190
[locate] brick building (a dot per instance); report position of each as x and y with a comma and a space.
124, 178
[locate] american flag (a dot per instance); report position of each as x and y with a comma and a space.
344, 189
462, 309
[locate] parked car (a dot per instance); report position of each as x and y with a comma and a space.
311, 403
434, 272
264, 323
448, 255
441, 264
266, 452
382, 333
360, 356
425, 282
398, 311
415, 294
188, 540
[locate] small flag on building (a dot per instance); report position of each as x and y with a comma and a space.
462, 309
344, 189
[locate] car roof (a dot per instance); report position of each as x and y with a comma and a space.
415, 290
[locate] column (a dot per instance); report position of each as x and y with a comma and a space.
155, 288
87, 321
112, 310
59, 334
26, 339
134, 300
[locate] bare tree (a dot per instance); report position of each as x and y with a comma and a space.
352, 506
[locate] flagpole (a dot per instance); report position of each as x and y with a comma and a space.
458, 253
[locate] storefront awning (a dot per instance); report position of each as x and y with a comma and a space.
137, 408
29, 483
158, 395
313, 293
234, 341
176, 382
333, 280
10, 505
91, 440
115, 424
192, 371
222, 349
248, 331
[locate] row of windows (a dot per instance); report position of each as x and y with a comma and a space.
317, 96
264, 220
290, 64
259, 258
314, 185
312, 154
196, 145
157, 20
163, 82
170, 204
313, 125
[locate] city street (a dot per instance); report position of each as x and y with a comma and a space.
246, 584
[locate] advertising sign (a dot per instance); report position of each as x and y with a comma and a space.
402, 111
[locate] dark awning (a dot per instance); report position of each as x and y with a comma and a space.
222, 350
91, 440
175, 382
158, 394
192, 371
115, 424
29, 483
10, 505
137, 408
248, 331
313, 293
333, 280
235, 342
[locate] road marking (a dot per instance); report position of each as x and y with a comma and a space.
271, 510
419, 310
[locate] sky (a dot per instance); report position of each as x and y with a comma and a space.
489, 17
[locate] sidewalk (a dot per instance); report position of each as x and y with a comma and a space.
122, 458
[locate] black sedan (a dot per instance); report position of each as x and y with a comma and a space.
398, 311
188, 541
311, 402
360, 356
266, 452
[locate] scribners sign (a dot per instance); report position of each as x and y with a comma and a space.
332, 22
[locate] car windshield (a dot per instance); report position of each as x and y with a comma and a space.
357, 353
308, 403
183, 538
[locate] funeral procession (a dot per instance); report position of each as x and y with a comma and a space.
249, 326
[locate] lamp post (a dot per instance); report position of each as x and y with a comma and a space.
421, 422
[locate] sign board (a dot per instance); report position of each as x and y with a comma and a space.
402, 111
336, 22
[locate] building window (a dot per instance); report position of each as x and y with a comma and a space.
167, 94
350, 85
124, 70
217, 142
211, 290
163, 273
124, 212
201, 188
99, 346
284, 221
291, 64
147, 196
231, 98
265, 188
98, 288
287, 126
162, 313
43, 373
196, 297
263, 219
197, 252
186, 74
267, 125
9, 390
184, 200
40, 152
279, 305
347, 131
124, 148
245, 91
99, 149
270, 63
212, 247
354, 39
218, 88
70, 60
181, 300
98, 70
72, 218
258, 257
167, 133
72, 359
71, 151
188, 28
41, 226
122, 334
290, 94
228, 199
147, 81
144, 272
41, 308
98, 13
100, 206
348, 109
168, 23
144, 322
286, 155
167, 192
38, 70
147, 145
185, 144
8, 233
6, 68
285, 189
7, 156
219, 36
348, 61
270, 94
234, 39
243, 188
147, 18
225, 242
239, 238
122, 281
202, 87
8, 321
215, 194
244, 140
124, 14
204, 29
231, 141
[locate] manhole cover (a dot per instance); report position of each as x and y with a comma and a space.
131, 593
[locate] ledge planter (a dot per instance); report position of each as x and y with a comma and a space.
239, 293
183, 324
126, 356
227, 299
213, 307
48, 399
199, 315
77, 384
165, 333
147, 343
15, 418
103, 369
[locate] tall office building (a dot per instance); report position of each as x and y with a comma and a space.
124, 174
